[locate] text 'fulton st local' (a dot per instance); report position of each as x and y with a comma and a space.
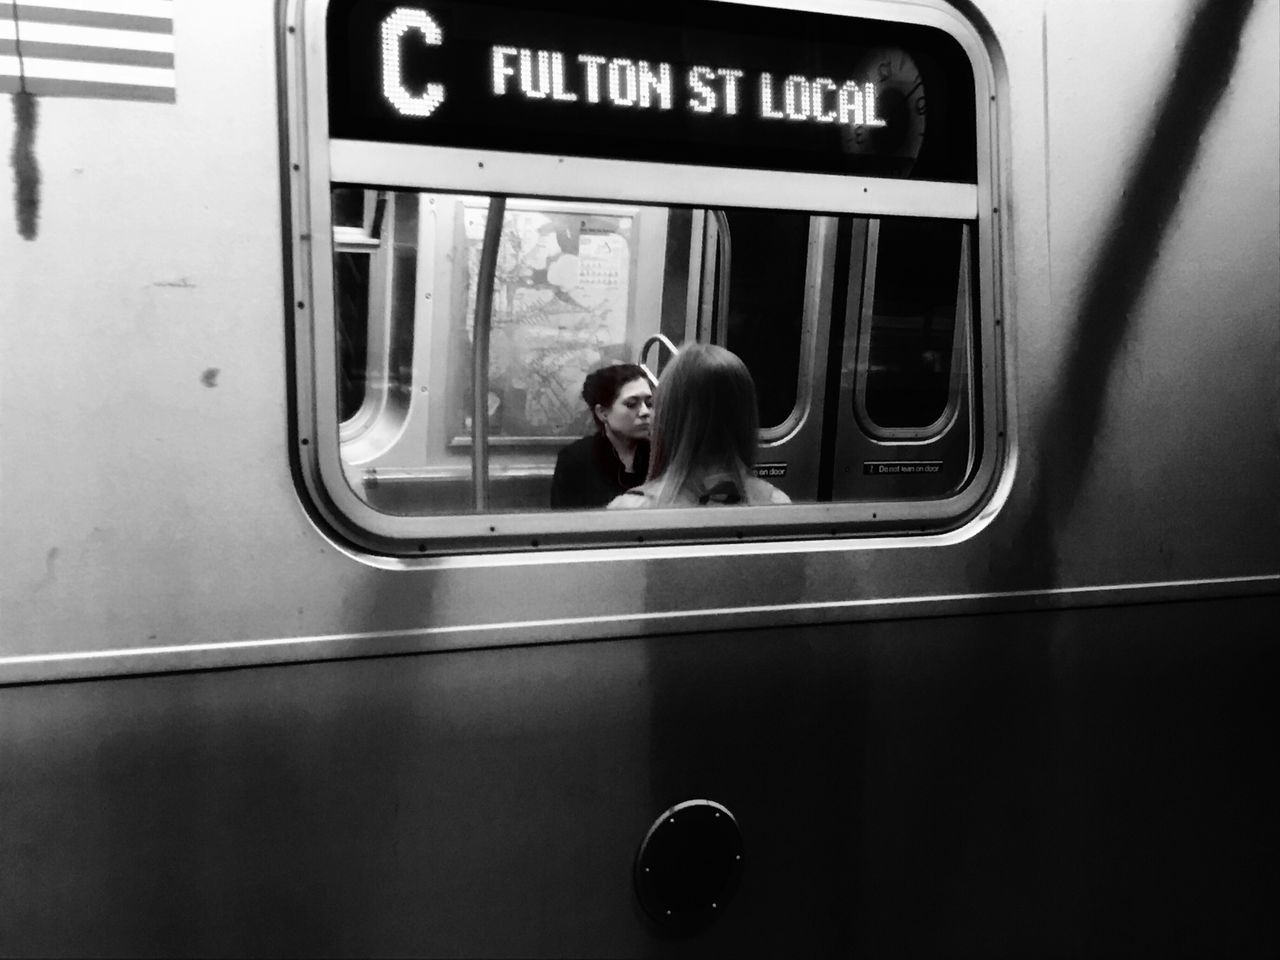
707, 90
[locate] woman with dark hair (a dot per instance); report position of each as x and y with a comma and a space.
705, 433
592, 471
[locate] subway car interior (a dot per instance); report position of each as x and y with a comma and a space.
857, 332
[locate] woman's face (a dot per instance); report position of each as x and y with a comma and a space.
629, 414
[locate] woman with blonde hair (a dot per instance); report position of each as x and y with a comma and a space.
704, 436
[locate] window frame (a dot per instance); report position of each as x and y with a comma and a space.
316, 163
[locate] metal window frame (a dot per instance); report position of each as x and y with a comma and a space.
315, 162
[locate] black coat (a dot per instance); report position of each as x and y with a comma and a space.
589, 473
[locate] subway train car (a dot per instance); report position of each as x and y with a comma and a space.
298, 298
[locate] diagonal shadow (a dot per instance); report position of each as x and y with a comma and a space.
1116, 280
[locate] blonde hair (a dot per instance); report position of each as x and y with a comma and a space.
705, 423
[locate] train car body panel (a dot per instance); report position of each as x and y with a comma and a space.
980, 785
227, 729
90, 538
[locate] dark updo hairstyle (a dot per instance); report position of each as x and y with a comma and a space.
603, 386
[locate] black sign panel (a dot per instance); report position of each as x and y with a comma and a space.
703, 83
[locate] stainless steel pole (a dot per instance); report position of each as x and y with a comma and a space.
480, 352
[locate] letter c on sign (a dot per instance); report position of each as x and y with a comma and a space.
400, 22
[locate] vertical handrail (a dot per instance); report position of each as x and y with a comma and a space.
693, 292
724, 250
480, 352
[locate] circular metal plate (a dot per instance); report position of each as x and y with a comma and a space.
689, 865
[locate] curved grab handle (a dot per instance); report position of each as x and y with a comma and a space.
661, 339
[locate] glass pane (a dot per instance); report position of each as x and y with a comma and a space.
768, 258
351, 290
348, 206
399, 333
579, 285
917, 274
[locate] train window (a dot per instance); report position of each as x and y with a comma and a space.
766, 258
612, 190
357, 218
351, 280
352, 212
579, 285
913, 294
374, 277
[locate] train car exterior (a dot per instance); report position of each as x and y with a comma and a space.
293, 660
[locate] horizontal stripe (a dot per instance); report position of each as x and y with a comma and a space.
91, 72
491, 171
59, 51
45, 87
86, 36
86, 18
196, 655
137, 8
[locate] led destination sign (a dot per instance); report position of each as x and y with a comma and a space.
706, 83
623, 83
